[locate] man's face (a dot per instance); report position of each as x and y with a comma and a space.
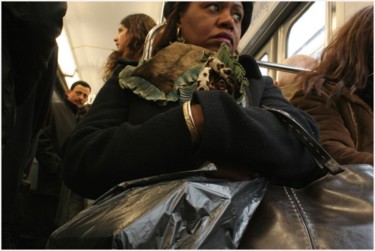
79, 95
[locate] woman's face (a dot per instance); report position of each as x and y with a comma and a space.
209, 24
121, 39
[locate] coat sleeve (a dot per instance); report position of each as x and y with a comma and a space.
105, 148
47, 154
334, 135
255, 137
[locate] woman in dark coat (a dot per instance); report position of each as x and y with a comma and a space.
191, 103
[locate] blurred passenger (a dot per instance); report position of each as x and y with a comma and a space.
287, 81
44, 203
132, 32
192, 102
65, 117
338, 93
29, 66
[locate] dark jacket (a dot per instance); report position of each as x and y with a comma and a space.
346, 125
63, 119
29, 65
125, 136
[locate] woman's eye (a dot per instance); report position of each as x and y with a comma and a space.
237, 17
214, 7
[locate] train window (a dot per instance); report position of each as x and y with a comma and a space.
66, 60
263, 70
307, 36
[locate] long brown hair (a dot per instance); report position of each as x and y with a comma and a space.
138, 26
346, 61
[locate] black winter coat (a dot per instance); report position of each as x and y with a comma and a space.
29, 65
124, 137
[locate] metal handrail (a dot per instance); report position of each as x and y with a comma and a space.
147, 53
281, 67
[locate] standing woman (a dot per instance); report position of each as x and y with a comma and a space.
192, 102
339, 92
132, 32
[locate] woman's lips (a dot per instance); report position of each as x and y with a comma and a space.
225, 37
225, 40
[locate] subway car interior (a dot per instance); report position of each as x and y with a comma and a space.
279, 30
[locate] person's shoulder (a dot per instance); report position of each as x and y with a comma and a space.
251, 67
262, 80
121, 64
57, 103
124, 62
61, 105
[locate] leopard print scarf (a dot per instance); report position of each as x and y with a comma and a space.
180, 69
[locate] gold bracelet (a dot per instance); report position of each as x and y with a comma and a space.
186, 108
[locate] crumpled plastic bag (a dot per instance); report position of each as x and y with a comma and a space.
184, 210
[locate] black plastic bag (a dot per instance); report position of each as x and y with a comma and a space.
183, 210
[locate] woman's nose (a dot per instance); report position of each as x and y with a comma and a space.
226, 19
